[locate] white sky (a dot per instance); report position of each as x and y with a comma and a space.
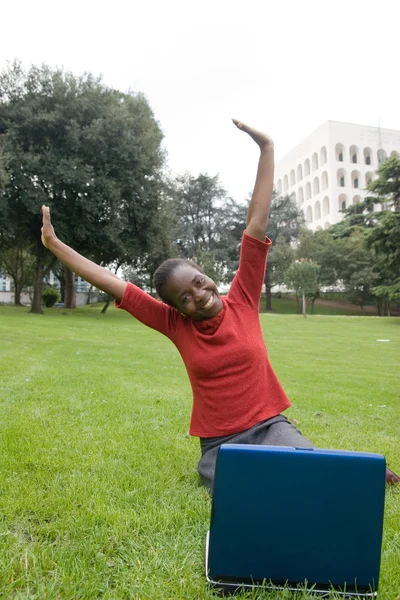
285, 66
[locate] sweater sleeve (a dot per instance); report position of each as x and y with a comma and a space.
247, 284
149, 311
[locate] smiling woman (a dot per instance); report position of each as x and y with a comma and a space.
237, 397
184, 285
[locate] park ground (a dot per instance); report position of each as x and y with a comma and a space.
99, 494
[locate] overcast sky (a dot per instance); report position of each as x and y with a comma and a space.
283, 66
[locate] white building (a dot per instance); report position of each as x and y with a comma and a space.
331, 168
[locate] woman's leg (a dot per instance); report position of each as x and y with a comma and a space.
277, 431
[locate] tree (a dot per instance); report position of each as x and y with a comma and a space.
18, 262
385, 189
286, 221
302, 276
209, 224
280, 258
92, 153
197, 204
3, 166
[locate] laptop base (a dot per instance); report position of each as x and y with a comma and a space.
230, 588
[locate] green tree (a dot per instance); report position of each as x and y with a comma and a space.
385, 189
285, 221
90, 152
302, 277
280, 258
198, 201
18, 263
209, 225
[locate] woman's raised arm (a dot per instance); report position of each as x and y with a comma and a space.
260, 204
98, 276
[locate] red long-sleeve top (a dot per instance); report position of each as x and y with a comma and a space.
233, 383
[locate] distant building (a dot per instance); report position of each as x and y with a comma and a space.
82, 288
331, 168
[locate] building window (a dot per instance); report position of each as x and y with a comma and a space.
339, 150
355, 179
292, 178
368, 156
368, 177
309, 218
323, 155
307, 167
299, 172
325, 206
342, 202
285, 183
316, 186
308, 191
317, 210
301, 195
381, 156
314, 161
354, 154
324, 180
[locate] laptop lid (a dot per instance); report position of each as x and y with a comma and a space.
286, 516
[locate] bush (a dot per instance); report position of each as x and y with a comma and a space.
50, 296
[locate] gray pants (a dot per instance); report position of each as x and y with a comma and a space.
277, 431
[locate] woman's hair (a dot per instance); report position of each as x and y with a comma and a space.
162, 273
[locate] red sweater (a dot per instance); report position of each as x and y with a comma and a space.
234, 386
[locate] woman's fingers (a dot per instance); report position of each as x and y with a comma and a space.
47, 229
46, 214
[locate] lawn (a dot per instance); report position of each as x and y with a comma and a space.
99, 494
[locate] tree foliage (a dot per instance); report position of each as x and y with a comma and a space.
209, 224
385, 189
302, 277
90, 152
285, 221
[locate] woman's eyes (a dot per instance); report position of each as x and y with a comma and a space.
186, 298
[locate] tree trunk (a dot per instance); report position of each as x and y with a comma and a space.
89, 295
268, 298
107, 304
36, 307
17, 293
69, 288
268, 295
304, 306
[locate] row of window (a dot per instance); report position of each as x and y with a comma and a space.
319, 210
343, 180
355, 156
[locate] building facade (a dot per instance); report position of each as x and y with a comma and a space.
331, 168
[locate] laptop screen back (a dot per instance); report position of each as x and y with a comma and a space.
288, 515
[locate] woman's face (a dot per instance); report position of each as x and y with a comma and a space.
193, 293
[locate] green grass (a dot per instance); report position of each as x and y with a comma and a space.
99, 495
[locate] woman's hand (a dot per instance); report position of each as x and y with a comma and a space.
48, 234
261, 139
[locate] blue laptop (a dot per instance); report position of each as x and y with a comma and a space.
297, 519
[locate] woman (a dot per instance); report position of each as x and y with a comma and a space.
237, 397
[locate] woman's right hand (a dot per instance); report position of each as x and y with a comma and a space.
48, 233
